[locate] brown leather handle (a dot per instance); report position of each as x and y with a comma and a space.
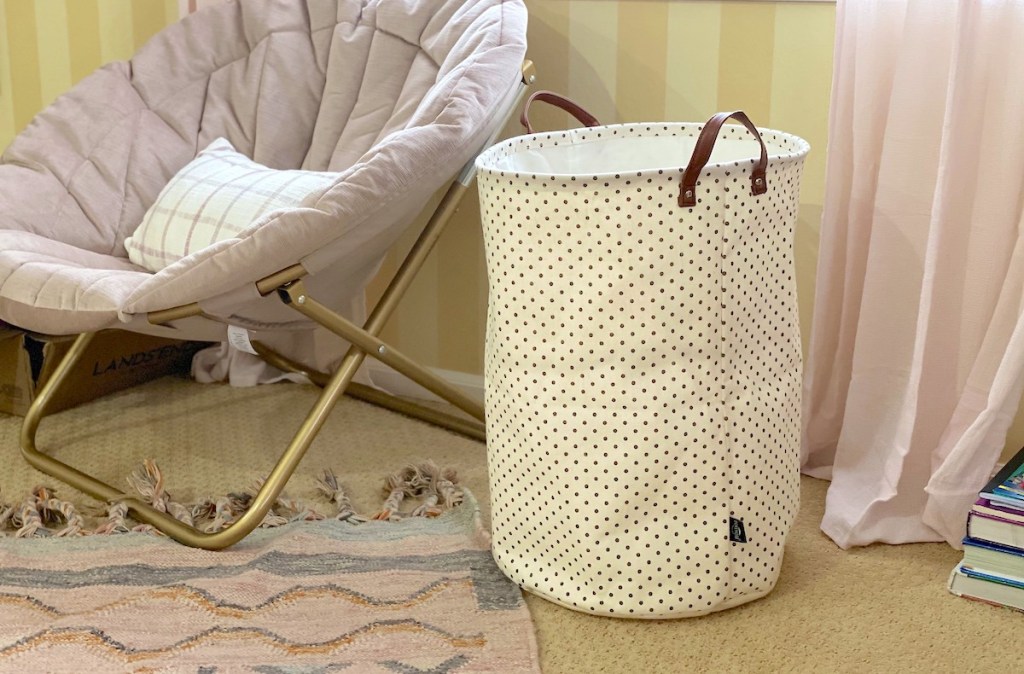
702, 152
573, 108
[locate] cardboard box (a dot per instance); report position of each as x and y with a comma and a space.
114, 360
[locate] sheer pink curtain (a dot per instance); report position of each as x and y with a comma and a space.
916, 362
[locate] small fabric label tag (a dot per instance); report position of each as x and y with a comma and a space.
737, 534
239, 338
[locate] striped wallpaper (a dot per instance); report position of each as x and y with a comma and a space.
48, 45
645, 60
625, 60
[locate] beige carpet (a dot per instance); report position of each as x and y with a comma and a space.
879, 609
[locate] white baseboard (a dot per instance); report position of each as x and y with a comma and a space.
398, 384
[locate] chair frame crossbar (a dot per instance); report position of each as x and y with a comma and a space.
365, 341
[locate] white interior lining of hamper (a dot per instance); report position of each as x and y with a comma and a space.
621, 154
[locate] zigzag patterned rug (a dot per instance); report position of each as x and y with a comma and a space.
401, 594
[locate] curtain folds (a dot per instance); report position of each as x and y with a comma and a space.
916, 361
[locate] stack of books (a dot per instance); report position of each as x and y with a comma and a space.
993, 567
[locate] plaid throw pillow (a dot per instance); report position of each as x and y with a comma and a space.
214, 197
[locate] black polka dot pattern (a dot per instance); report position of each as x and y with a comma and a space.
642, 375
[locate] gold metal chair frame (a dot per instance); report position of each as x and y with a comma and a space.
288, 285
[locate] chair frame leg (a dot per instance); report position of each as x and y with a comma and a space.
364, 341
471, 428
144, 512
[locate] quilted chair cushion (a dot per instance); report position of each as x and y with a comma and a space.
214, 197
392, 95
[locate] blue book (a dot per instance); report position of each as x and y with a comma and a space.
1007, 487
993, 577
987, 587
987, 556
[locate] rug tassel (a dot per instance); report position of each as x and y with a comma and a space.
116, 523
204, 510
448, 487
42, 508
40, 513
29, 521
52, 511
406, 482
148, 480
73, 523
429, 473
6, 514
429, 507
277, 516
442, 490
329, 486
221, 512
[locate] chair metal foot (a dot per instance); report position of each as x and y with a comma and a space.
179, 531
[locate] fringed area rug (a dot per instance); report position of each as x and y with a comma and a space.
398, 592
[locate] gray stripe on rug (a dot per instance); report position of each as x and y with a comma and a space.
492, 589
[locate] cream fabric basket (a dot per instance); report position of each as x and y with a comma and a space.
643, 362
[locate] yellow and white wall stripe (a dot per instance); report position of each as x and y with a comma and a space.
48, 45
625, 60
646, 60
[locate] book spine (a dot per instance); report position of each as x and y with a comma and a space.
992, 576
989, 526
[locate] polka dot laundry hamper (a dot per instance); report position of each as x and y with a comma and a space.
643, 361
